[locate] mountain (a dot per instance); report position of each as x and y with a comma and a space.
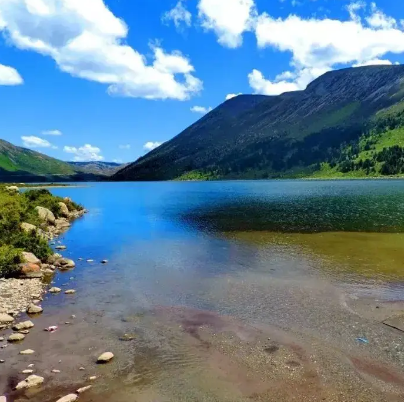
97, 167
19, 164
337, 126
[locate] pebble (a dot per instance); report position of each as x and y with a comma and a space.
104, 261
105, 357
27, 352
93, 378
73, 316
27, 371
3, 399
70, 292
31, 381
82, 368
84, 389
16, 337
2, 361
31, 365
1, 338
68, 398
33, 309
90, 260
24, 331
55, 371
55, 290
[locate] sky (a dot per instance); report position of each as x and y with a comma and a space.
111, 80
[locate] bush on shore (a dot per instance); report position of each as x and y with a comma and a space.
16, 208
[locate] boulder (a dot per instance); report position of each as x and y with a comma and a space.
53, 258
27, 227
61, 247
65, 263
27, 352
23, 325
30, 270
64, 211
68, 398
46, 215
33, 309
105, 357
5, 318
13, 189
67, 199
29, 382
31, 258
16, 337
55, 290
62, 223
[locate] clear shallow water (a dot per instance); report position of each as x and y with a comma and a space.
266, 253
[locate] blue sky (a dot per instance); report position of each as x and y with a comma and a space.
110, 80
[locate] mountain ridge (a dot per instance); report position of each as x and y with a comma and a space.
277, 135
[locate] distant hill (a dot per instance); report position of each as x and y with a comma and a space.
96, 167
348, 122
19, 164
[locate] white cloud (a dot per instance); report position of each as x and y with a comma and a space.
230, 96
229, 19
88, 41
320, 45
374, 62
179, 15
36, 142
85, 153
201, 109
52, 132
9, 75
150, 145
124, 146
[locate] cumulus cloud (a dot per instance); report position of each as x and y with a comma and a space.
201, 109
85, 153
230, 96
88, 41
9, 75
228, 19
52, 132
320, 45
124, 146
179, 15
36, 142
150, 145
374, 62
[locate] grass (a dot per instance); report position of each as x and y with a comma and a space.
16, 208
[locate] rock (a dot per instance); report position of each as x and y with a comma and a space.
62, 223
67, 199
3, 399
61, 247
31, 258
1, 338
31, 365
127, 337
81, 368
93, 378
31, 381
27, 227
5, 318
55, 290
64, 211
27, 352
33, 309
104, 261
16, 337
30, 270
2, 361
84, 389
27, 371
68, 398
70, 292
24, 331
53, 258
46, 215
13, 189
65, 263
23, 325
55, 371
90, 260
105, 357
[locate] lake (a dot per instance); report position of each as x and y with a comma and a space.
229, 291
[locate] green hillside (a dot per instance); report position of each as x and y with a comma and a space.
19, 164
346, 123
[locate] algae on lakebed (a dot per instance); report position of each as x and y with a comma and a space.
373, 255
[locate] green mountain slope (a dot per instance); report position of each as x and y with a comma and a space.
97, 167
290, 135
19, 164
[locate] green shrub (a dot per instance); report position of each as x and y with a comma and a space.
32, 243
10, 257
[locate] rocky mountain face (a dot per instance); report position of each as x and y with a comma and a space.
254, 136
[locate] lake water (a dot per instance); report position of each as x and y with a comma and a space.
205, 276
